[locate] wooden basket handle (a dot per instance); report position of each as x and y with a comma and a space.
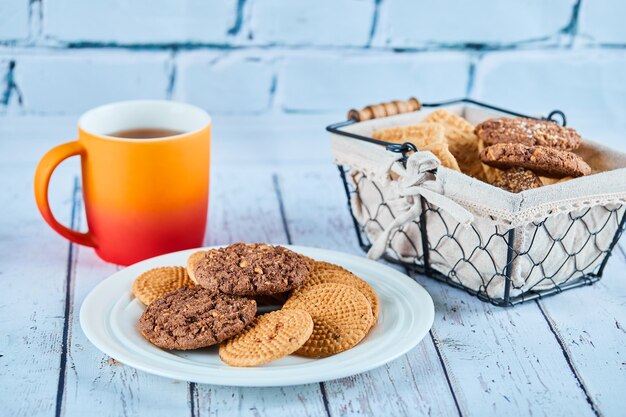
388, 108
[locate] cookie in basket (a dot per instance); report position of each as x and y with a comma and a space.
548, 162
550, 181
530, 132
251, 269
492, 175
326, 272
342, 317
419, 135
192, 318
271, 336
461, 140
518, 179
158, 282
425, 137
458, 127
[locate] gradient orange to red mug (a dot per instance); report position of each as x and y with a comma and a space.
143, 197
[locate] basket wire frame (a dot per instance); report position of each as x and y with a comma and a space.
424, 249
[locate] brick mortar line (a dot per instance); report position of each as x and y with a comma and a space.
571, 29
549, 43
27, 50
239, 19
375, 22
172, 63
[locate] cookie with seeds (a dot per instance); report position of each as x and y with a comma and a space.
544, 161
192, 318
342, 317
530, 132
251, 269
491, 174
518, 179
326, 272
158, 282
425, 137
271, 336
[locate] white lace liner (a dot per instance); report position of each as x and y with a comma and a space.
494, 208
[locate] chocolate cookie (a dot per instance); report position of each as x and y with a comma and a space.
548, 162
517, 180
251, 269
530, 132
191, 318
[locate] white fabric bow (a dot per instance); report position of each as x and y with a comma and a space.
416, 180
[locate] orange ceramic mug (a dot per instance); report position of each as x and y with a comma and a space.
143, 197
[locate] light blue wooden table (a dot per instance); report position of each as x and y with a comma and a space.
273, 180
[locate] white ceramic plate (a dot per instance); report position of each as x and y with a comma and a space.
110, 312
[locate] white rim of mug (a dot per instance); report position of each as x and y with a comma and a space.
81, 119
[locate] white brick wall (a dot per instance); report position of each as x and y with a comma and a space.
415, 23
262, 56
327, 82
604, 21
234, 83
139, 21
325, 22
588, 86
14, 20
72, 82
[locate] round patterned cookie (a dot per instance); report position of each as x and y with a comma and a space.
326, 272
158, 282
270, 337
192, 318
251, 269
544, 161
530, 132
192, 261
342, 317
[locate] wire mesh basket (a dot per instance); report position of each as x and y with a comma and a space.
499, 262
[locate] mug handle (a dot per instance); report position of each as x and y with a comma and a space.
42, 179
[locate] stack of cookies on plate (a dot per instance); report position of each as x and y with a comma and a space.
214, 300
515, 154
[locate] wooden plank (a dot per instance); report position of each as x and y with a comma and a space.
33, 269
34, 266
415, 384
590, 323
62, 374
244, 207
96, 384
502, 361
